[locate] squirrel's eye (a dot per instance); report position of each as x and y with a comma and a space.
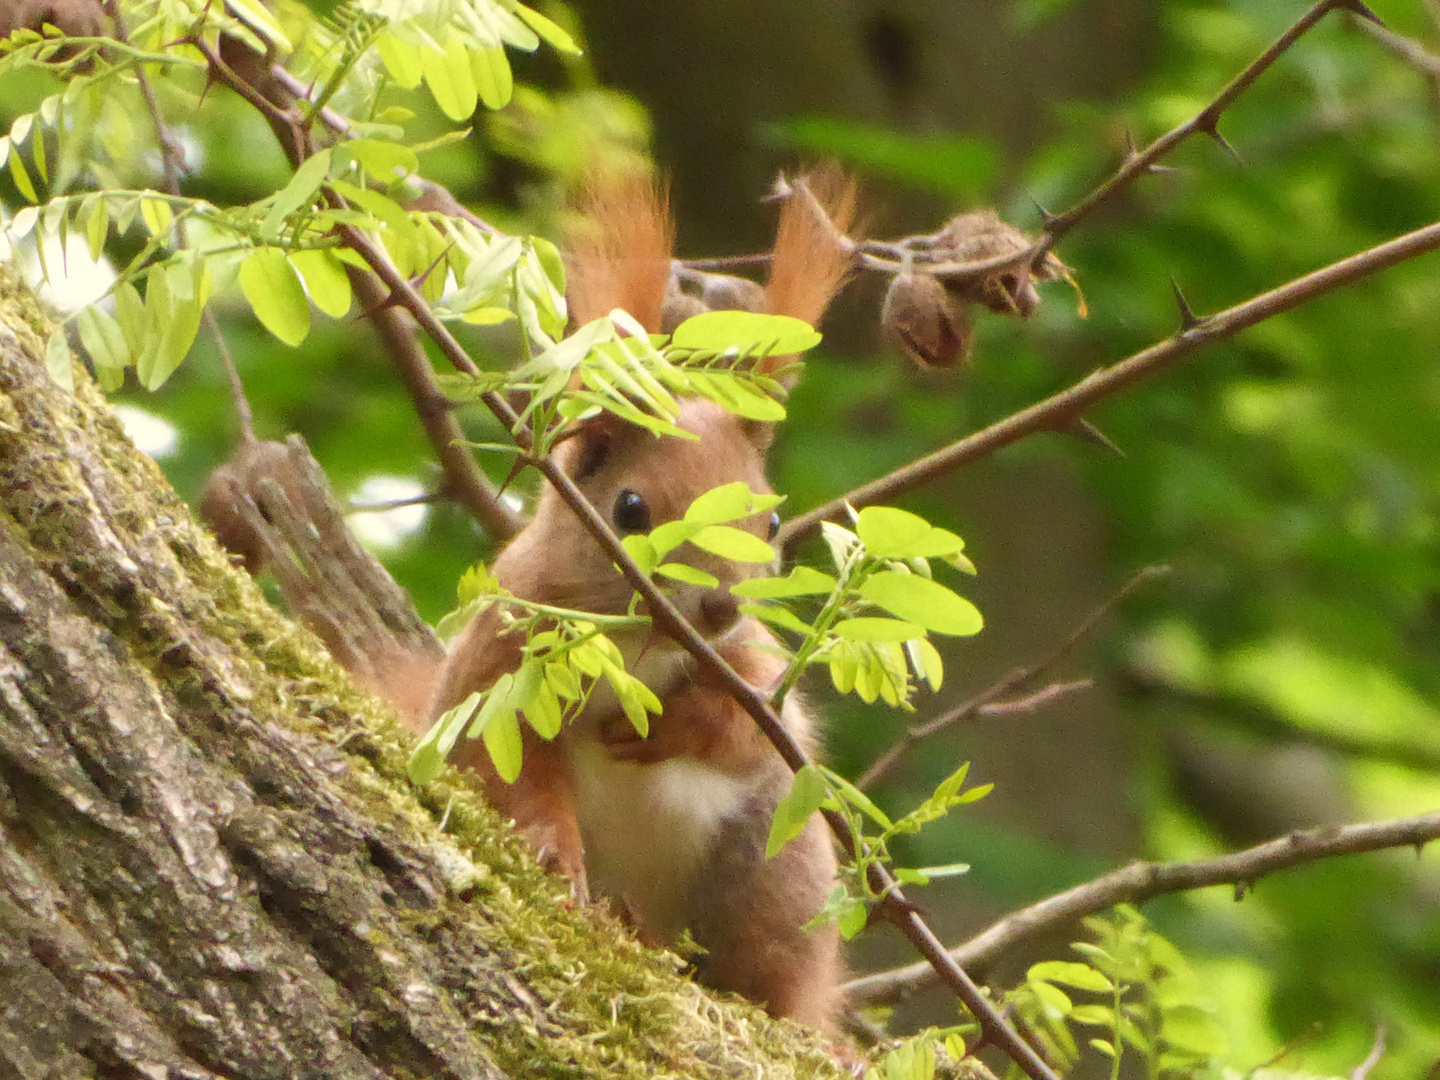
774, 524
631, 513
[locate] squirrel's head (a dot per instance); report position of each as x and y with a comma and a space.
638, 481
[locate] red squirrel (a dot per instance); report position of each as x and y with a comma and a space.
671, 827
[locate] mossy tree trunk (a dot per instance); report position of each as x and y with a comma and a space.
210, 861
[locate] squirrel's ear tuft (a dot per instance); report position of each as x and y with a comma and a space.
619, 254
813, 254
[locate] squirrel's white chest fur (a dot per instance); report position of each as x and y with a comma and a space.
647, 826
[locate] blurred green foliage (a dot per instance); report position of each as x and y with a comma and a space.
1291, 477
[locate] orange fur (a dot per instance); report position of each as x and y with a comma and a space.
810, 262
620, 257
673, 827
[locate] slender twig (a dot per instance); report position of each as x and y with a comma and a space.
386, 505
1017, 679
1142, 881
1377, 1051
1039, 699
1407, 49
1205, 122
1057, 411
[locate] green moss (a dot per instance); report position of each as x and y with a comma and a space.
605, 1004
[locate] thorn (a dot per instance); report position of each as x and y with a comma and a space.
1188, 319
1085, 431
1161, 170
1211, 126
386, 301
1046, 217
515, 469
1361, 10
1130, 151
1242, 889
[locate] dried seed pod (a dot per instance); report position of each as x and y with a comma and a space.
978, 235
925, 321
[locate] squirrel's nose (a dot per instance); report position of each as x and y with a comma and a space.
718, 611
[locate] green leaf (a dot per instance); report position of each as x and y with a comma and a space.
922, 601
849, 793
451, 81
325, 280
729, 502
544, 713
793, 813
735, 544
640, 548
744, 331
926, 661
777, 616
975, 794
1053, 997
735, 395
898, 534
402, 60
130, 314
667, 537
97, 227
852, 920
554, 34
1070, 973
385, 161
688, 574
300, 191
21, 177
494, 81
487, 316
429, 757
802, 581
1093, 1014
103, 339
1104, 1046
57, 360
271, 285
873, 629
176, 337
562, 680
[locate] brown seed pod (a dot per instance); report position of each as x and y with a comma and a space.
928, 324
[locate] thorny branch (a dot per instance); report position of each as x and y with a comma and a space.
1016, 680
922, 251
1057, 413
1407, 49
1142, 881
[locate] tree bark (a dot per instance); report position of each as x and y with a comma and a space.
211, 863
